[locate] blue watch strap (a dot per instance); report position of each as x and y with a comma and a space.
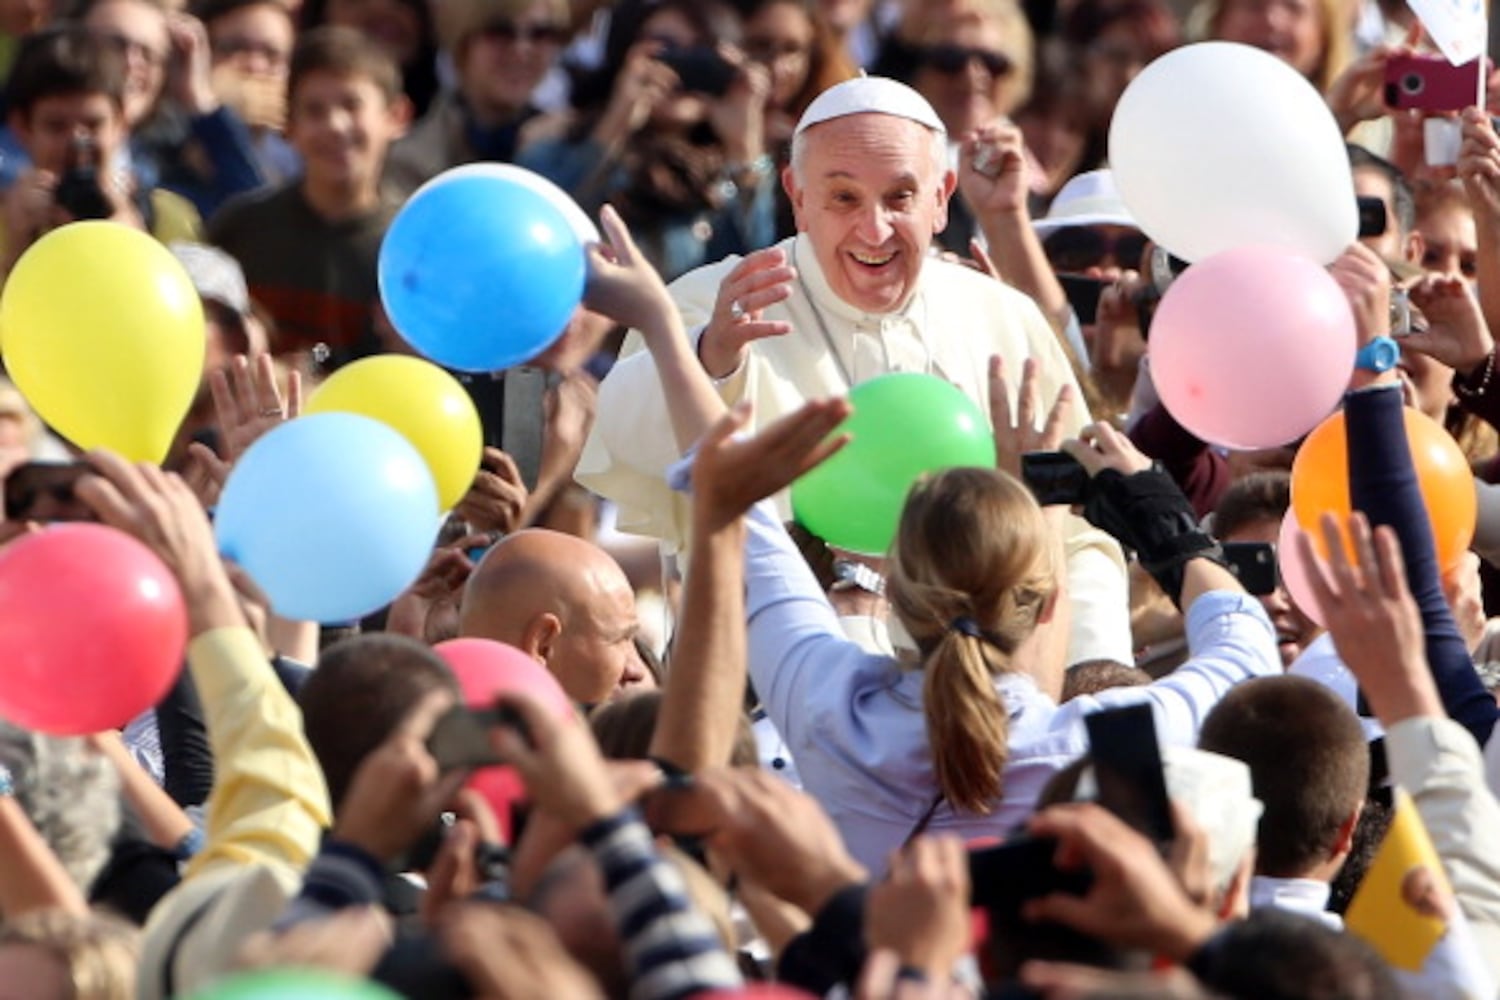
1379, 355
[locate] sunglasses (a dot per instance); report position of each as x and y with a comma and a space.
951, 59
1077, 248
537, 34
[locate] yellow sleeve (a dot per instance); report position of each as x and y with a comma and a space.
269, 803
176, 218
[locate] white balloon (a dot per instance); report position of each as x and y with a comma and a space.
583, 227
1219, 145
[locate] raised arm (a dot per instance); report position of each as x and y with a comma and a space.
1383, 485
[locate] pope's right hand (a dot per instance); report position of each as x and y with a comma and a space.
762, 279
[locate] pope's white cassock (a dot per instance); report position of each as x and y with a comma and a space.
950, 327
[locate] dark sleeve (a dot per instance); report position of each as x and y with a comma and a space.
231, 155
187, 758
832, 950
1200, 472
136, 876
1383, 484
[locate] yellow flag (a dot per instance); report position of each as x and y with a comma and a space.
1403, 906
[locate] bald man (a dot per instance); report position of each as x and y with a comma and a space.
565, 603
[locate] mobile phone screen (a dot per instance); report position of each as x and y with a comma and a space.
1127, 768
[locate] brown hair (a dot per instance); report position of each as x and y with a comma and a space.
342, 52
973, 569
1310, 792
64, 61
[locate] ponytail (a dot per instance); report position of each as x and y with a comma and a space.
967, 725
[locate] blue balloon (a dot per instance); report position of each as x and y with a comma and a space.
479, 272
332, 514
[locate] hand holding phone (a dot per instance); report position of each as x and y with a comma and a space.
1055, 478
1423, 82
700, 70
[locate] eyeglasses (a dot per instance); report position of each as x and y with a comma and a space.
130, 47
1073, 249
536, 34
951, 59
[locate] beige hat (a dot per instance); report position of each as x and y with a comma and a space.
865, 94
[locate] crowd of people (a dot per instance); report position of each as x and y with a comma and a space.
784, 769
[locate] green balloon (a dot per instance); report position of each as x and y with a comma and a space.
903, 427
295, 984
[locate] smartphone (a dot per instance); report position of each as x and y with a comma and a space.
1083, 295
1128, 771
1254, 565
1373, 220
1054, 477
1430, 83
461, 737
700, 70
43, 491
1021, 869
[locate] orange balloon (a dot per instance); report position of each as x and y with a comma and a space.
1320, 482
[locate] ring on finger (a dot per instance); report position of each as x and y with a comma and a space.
271, 411
736, 311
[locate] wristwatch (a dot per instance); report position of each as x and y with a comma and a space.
1379, 355
848, 574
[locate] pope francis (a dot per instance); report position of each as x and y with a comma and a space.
855, 294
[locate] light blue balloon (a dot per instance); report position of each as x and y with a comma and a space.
479, 272
332, 514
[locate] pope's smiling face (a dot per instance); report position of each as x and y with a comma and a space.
870, 191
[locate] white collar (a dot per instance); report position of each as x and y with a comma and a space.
1306, 896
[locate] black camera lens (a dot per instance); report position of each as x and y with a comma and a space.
1413, 83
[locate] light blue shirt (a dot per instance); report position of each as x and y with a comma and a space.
854, 721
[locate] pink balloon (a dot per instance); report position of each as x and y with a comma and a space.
92, 630
1252, 348
1293, 570
485, 669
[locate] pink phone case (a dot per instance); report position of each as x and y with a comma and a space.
1430, 83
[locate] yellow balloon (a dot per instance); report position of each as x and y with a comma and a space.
103, 335
423, 403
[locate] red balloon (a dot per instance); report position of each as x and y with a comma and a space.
92, 630
485, 669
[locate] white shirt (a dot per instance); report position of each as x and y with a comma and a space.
854, 721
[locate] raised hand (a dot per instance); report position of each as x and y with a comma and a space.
398, 791
1479, 166
248, 401
921, 910
1016, 435
992, 170
1366, 281
157, 508
565, 773
762, 279
498, 497
1456, 333
191, 80
777, 837
1375, 623
1134, 901
731, 474
1101, 447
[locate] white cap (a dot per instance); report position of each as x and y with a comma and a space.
1090, 199
865, 94
216, 275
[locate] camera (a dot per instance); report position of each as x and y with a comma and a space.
79, 191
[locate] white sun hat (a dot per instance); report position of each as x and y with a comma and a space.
1090, 199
